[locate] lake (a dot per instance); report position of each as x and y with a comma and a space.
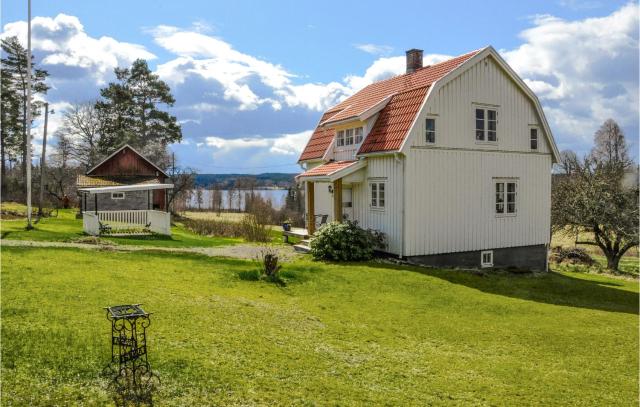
277, 197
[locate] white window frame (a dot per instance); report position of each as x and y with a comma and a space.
427, 131
485, 125
357, 138
537, 139
505, 196
489, 263
117, 195
377, 194
349, 137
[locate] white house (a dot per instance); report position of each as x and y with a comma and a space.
451, 161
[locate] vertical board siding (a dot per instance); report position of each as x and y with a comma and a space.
450, 185
389, 220
453, 107
450, 201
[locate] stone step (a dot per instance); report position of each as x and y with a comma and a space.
301, 248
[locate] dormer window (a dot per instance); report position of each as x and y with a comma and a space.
349, 137
358, 133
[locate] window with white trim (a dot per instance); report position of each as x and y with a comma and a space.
117, 195
533, 137
359, 133
349, 137
486, 124
430, 130
377, 194
506, 197
486, 258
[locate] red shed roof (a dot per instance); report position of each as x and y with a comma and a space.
407, 91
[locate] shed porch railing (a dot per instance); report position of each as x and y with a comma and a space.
155, 221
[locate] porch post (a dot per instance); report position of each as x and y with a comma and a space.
337, 200
95, 202
84, 201
166, 199
311, 216
148, 199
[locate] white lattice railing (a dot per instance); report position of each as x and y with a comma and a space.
156, 221
126, 218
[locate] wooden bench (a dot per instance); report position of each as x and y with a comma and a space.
294, 232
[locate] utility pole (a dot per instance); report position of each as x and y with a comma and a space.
43, 158
28, 124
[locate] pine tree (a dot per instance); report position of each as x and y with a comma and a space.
14, 74
130, 113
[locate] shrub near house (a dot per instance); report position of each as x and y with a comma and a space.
345, 241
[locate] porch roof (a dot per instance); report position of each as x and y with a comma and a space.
125, 188
331, 171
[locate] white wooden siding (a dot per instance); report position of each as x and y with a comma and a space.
451, 201
453, 107
323, 200
389, 220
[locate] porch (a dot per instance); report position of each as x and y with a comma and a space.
134, 214
329, 186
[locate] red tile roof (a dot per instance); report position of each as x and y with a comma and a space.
394, 122
369, 96
327, 169
319, 141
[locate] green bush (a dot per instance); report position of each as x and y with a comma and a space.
345, 241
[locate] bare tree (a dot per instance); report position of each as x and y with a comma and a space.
591, 196
610, 146
61, 174
81, 128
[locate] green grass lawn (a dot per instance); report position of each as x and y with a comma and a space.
66, 228
352, 334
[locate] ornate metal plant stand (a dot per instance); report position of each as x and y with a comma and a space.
132, 378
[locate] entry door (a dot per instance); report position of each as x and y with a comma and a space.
347, 204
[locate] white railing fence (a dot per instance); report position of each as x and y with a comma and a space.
129, 220
128, 217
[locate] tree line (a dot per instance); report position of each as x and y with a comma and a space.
130, 110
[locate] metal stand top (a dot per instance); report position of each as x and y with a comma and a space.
128, 311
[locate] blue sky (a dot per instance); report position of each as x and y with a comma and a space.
252, 78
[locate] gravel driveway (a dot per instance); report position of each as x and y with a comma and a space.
239, 251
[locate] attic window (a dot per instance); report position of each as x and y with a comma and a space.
486, 124
534, 139
430, 130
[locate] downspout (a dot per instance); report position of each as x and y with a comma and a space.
402, 211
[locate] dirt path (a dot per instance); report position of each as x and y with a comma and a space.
239, 251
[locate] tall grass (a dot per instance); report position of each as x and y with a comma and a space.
250, 227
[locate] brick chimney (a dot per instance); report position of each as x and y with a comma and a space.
414, 60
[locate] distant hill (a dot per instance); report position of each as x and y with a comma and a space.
268, 179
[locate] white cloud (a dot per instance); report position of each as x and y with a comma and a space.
236, 143
584, 72
374, 49
286, 144
62, 42
291, 144
386, 67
